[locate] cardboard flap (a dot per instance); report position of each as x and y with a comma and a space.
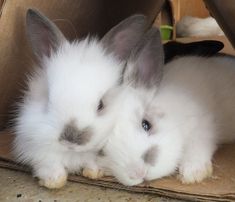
220, 187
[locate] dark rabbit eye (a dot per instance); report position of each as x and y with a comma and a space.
146, 125
100, 106
101, 153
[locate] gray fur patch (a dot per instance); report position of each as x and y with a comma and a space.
73, 135
150, 155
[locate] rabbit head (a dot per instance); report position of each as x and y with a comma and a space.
141, 146
65, 102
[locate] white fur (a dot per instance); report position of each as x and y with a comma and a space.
193, 26
68, 86
191, 112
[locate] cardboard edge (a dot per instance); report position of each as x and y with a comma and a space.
9, 164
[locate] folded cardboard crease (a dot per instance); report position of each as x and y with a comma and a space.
15, 62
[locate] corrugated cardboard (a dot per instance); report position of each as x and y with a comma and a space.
76, 18
221, 187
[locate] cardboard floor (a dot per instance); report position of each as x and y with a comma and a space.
21, 187
220, 187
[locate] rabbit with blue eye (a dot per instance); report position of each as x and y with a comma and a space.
59, 124
169, 119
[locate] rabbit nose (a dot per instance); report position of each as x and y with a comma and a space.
73, 135
138, 173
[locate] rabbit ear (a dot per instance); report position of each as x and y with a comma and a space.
122, 38
200, 48
145, 66
43, 34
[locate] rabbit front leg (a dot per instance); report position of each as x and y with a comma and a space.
91, 169
196, 164
92, 173
51, 174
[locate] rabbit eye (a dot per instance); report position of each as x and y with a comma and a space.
101, 153
100, 106
146, 125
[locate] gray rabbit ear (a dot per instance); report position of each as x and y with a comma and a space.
43, 34
145, 66
122, 38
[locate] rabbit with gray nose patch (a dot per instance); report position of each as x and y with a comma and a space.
60, 122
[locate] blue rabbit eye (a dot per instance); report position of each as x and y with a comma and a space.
146, 125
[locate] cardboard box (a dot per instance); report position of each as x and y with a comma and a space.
76, 18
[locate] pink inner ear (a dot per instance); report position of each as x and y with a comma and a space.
145, 71
124, 41
43, 34
120, 44
146, 65
45, 43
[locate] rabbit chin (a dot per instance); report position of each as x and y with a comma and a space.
157, 171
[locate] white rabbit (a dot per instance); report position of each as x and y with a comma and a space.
58, 127
171, 119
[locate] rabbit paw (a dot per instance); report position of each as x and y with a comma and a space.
53, 180
192, 173
53, 183
92, 174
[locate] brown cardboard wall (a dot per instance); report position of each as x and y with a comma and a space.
223, 12
76, 18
